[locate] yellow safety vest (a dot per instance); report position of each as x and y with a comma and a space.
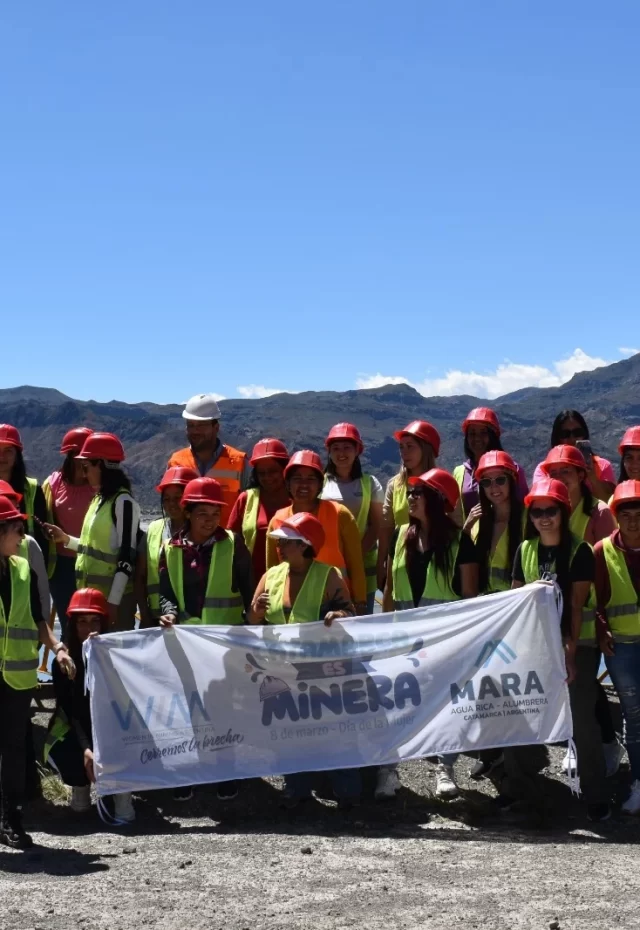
58, 730
155, 532
306, 607
250, 518
531, 572
97, 559
400, 502
19, 634
437, 590
458, 474
623, 610
29, 491
579, 521
221, 604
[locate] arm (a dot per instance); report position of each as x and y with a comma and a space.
126, 514
242, 577
337, 598
45, 633
41, 513
387, 590
140, 585
601, 479
260, 603
352, 552
469, 579
39, 569
272, 549
603, 593
168, 599
386, 532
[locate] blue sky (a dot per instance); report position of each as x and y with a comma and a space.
255, 196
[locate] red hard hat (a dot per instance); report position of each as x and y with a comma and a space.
268, 449
625, 493
302, 526
563, 455
495, 459
630, 440
73, 440
345, 431
548, 487
422, 430
104, 446
7, 491
203, 491
484, 416
177, 474
442, 482
306, 458
10, 436
9, 511
88, 601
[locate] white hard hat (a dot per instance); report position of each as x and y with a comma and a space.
202, 407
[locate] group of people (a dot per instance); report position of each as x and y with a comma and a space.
273, 538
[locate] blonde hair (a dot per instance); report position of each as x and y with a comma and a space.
427, 462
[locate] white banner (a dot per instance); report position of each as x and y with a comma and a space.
193, 704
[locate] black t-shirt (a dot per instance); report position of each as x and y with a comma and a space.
418, 564
583, 565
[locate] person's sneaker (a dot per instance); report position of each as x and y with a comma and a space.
227, 790
183, 793
613, 756
445, 782
13, 834
387, 783
485, 765
632, 804
568, 763
123, 807
80, 801
598, 813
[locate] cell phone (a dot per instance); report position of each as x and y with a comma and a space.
587, 452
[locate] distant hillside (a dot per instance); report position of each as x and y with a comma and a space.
608, 397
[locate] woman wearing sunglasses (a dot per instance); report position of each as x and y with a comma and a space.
108, 541
629, 450
550, 548
618, 599
431, 562
569, 428
481, 430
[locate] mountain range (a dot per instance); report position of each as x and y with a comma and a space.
608, 397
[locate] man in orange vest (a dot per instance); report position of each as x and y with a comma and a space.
208, 455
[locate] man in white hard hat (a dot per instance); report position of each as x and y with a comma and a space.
208, 455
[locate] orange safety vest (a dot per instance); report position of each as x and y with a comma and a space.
328, 514
227, 470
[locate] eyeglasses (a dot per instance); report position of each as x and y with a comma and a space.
539, 513
572, 433
501, 480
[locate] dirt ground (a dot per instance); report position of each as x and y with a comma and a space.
412, 863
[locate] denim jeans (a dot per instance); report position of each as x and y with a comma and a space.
624, 669
346, 784
583, 695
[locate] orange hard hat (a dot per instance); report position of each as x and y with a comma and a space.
345, 431
303, 527
7, 491
495, 459
103, 446
484, 416
563, 455
625, 493
10, 436
9, 511
630, 440
177, 475
548, 487
268, 449
88, 601
203, 491
73, 440
422, 430
441, 481
305, 458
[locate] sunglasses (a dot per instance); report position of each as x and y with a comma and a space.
539, 513
572, 433
501, 480
415, 492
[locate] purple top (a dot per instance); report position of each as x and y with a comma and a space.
471, 494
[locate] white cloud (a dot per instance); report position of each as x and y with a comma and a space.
254, 391
509, 376
625, 350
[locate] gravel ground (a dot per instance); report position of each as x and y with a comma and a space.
412, 863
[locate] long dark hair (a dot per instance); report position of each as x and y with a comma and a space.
485, 530
442, 532
563, 561
356, 468
494, 444
18, 476
587, 497
253, 481
560, 420
67, 470
112, 480
622, 475
71, 635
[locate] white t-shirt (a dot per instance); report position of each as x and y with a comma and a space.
349, 493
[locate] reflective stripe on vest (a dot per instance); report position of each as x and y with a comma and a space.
155, 533
400, 502
19, 634
623, 611
437, 589
56, 733
228, 470
306, 607
30, 488
579, 521
221, 604
97, 558
531, 572
328, 514
250, 518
